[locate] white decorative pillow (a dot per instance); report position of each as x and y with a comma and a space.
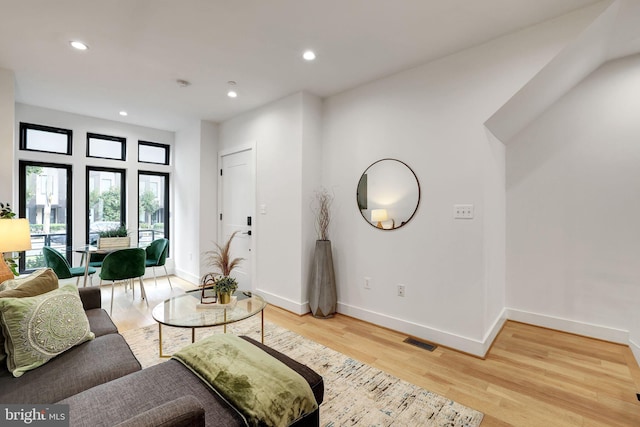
38, 328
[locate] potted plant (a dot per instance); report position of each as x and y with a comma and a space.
322, 288
117, 237
220, 281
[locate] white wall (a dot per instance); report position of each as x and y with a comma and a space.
432, 117
573, 182
208, 200
7, 114
195, 196
310, 183
80, 125
280, 130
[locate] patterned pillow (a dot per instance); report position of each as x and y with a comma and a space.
39, 282
38, 328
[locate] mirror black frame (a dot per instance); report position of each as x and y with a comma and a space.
362, 196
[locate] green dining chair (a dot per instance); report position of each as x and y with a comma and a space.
157, 257
59, 264
95, 260
124, 264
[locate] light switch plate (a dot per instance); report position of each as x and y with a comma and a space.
463, 211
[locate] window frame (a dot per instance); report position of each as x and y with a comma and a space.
167, 189
22, 202
122, 140
167, 152
23, 143
123, 195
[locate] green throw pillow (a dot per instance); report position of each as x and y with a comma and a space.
37, 329
37, 283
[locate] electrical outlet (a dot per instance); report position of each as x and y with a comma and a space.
400, 290
367, 282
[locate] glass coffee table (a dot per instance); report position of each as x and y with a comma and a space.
186, 311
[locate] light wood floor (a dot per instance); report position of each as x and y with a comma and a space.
531, 377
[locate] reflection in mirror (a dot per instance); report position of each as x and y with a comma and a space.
388, 194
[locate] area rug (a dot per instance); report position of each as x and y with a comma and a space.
355, 394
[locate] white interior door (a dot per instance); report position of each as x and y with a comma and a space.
237, 207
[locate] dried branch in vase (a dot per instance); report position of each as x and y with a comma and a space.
220, 258
322, 210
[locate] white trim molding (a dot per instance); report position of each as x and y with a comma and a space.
572, 326
285, 303
185, 275
458, 342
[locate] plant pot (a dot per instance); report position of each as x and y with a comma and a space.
114, 242
224, 297
322, 290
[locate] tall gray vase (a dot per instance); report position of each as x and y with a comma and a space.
322, 292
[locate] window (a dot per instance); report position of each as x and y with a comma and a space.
45, 200
106, 200
45, 138
152, 152
153, 203
106, 147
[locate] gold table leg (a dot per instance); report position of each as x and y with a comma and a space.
160, 354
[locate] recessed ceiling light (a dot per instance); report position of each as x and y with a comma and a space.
232, 93
309, 55
78, 45
124, 113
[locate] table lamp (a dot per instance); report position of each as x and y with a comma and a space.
15, 236
378, 215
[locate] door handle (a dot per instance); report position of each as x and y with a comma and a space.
247, 232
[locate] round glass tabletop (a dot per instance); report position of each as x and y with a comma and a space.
186, 311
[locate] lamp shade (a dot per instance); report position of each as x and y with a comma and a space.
378, 215
15, 235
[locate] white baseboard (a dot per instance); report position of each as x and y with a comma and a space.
447, 339
185, 275
288, 304
573, 326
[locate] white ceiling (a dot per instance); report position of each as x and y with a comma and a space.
138, 48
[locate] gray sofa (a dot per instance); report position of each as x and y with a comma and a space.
104, 385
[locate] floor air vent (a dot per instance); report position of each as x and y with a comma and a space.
423, 345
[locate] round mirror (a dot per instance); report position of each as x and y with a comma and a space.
388, 194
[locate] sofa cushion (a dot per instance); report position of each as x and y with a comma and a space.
185, 411
117, 401
100, 322
91, 297
37, 283
38, 328
87, 365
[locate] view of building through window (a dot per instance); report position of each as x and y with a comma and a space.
153, 193
44, 196
105, 204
